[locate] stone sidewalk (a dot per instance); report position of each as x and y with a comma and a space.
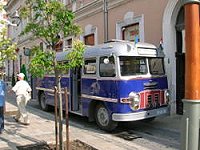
42, 129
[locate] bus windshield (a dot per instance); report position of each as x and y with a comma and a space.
156, 66
131, 65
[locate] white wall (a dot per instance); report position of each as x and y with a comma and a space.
169, 40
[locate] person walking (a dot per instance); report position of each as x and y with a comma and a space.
22, 90
2, 104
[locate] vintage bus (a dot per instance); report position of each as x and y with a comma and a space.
119, 81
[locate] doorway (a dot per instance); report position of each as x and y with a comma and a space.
180, 61
75, 89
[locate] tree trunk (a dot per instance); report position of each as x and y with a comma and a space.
58, 84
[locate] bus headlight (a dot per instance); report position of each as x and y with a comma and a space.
134, 100
167, 96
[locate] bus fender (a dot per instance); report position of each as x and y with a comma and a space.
92, 107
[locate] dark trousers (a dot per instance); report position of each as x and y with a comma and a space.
1, 118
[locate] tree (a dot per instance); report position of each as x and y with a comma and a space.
50, 21
7, 47
23, 70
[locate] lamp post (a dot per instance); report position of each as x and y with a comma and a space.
15, 21
191, 112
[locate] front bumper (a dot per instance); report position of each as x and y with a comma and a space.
140, 115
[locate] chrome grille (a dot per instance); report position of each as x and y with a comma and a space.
152, 99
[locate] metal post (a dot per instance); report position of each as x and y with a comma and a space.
60, 115
67, 120
105, 20
190, 120
56, 115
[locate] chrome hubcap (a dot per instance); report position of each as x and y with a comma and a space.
103, 117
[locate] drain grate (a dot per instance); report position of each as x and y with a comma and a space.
128, 135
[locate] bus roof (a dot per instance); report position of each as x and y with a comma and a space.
118, 48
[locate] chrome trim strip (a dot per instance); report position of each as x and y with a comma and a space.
123, 78
50, 90
101, 78
141, 77
89, 77
45, 89
140, 115
50, 94
99, 98
77, 112
49, 75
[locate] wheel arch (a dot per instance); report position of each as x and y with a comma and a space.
103, 117
91, 110
39, 94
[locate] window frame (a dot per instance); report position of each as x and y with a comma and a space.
112, 64
163, 66
96, 69
89, 39
135, 68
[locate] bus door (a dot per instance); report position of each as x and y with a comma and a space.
75, 89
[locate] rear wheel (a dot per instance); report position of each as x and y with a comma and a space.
42, 101
103, 120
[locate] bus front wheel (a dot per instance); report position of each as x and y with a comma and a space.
103, 120
42, 101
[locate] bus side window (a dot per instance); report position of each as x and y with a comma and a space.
107, 69
90, 66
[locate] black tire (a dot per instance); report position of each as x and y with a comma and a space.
42, 101
103, 120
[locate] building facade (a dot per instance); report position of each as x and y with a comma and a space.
2, 25
135, 20
2, 12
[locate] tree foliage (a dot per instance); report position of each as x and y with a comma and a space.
7, 47
43, 61
23, 70
50, 21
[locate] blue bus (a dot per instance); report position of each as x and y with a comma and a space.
119, 81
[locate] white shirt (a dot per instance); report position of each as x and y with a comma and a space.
21, 88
